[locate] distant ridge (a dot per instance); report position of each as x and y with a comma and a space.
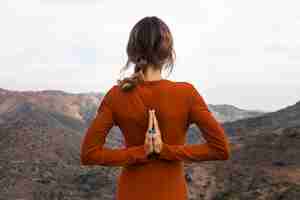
283, 118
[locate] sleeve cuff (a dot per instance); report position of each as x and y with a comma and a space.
137, 154
165, 152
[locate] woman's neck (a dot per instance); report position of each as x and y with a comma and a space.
152, 74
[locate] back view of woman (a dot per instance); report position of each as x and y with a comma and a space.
154, 115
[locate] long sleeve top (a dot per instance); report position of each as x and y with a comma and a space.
177, 105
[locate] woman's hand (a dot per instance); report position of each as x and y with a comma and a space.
157, 140
148, 139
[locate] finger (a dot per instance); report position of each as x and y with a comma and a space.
157, 145
150, 120
152, 115
153, 134
148, 138
155, 121
149, 145
151, 124
156, 135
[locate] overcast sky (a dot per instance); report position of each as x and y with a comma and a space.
244, 53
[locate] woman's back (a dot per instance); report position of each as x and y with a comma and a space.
177, 105
168, 98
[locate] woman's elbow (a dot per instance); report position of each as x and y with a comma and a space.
84, 160
224, 153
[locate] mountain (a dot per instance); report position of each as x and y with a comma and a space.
36, 152
82, 106
41, 131
226, 113
39, 152
283, 118
264, 163
77, 106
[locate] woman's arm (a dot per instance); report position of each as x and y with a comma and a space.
217, 143
92, 150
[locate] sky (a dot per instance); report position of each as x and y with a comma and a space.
243, 53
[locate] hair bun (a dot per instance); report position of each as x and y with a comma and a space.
142, 61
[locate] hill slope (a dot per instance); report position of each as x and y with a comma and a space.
283, 118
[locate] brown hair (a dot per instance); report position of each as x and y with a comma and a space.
150, 43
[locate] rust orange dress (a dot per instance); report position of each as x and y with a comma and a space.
177, 105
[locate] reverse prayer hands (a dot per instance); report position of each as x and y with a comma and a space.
153, 140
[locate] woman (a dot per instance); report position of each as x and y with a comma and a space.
153, 114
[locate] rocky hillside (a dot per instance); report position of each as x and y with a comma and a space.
39, 156
264, 162
40, 134
81, 107
283, 118
229, 113
265, 165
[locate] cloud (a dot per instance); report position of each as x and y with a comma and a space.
291, 51
70, 2
223, 51
81, 45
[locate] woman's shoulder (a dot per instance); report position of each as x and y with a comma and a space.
185, 86
178, 89
189, 89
